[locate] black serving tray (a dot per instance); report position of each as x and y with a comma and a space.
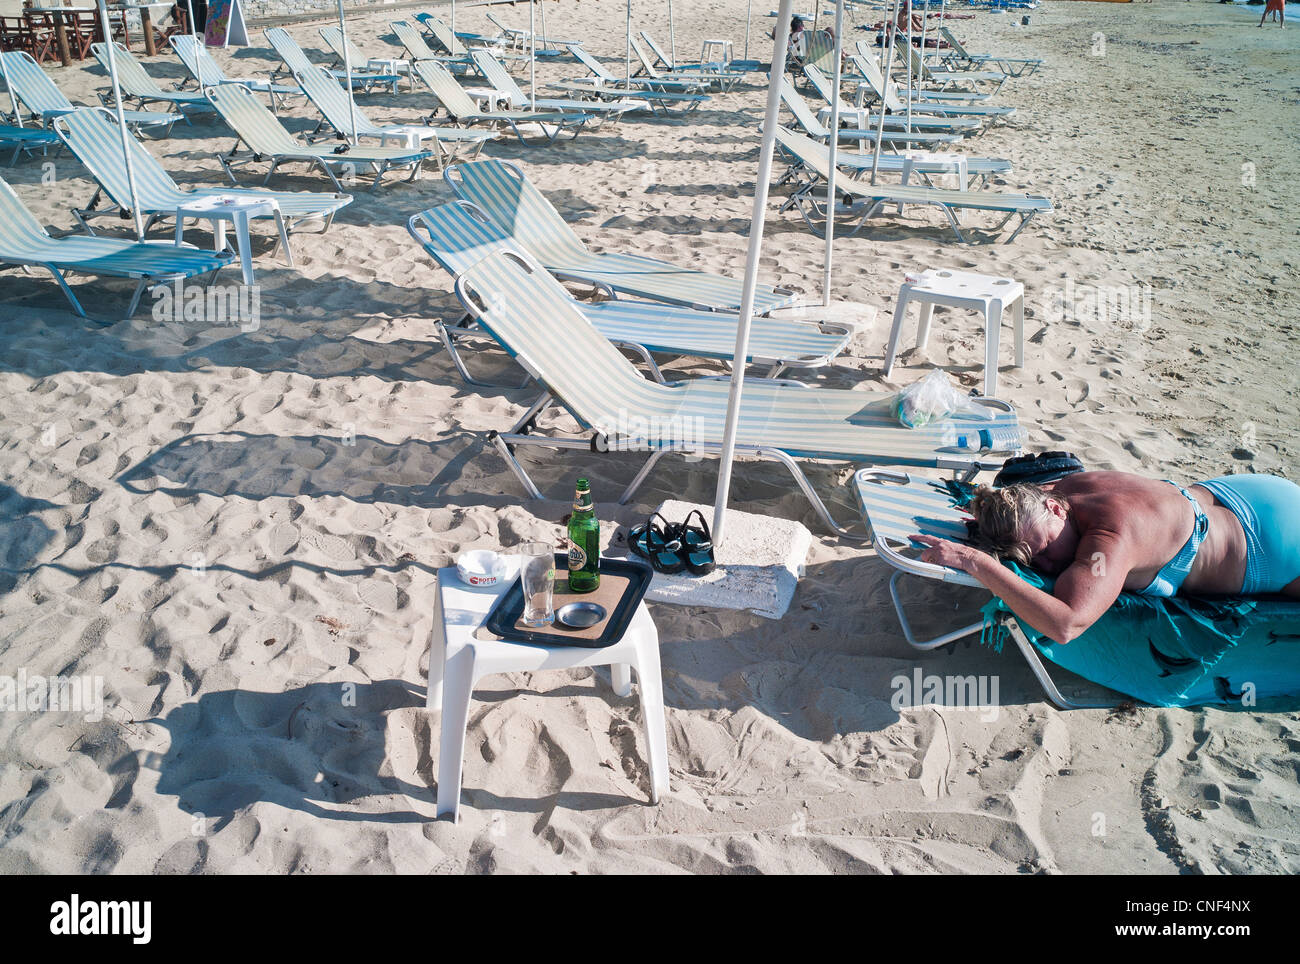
501, 620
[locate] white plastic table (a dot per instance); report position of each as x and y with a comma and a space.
237, 210
723, 45
962, 289
460, 655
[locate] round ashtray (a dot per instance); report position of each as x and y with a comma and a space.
481, 567
580, 615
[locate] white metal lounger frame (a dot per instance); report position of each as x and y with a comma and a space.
906, 565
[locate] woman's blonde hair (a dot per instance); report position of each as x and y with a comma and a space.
1002, 515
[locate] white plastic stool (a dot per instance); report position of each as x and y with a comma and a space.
458, 659
928, 162
723, 45
962, 289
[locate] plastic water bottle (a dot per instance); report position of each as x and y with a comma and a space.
976, 438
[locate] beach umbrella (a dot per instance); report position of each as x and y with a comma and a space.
110, 51
834, 149
774, 81
891, 30
347, 73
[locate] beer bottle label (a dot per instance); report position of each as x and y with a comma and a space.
577, 557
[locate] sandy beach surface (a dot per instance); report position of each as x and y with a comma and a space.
230, 527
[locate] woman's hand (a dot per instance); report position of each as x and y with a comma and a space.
954, 555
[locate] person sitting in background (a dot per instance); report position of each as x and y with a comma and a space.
1103, 533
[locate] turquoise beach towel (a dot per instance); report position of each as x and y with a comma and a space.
1179, 651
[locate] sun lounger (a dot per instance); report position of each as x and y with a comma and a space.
379, 70
510, 199
265, 139
870, 117
348, 121
888, 94
720, 80
415, 46
870, 199
521, 39
944, 83
294, 58
458, 235
531, 317
511, 93
27, 139
451, 43
137, 85
24, 242
32, 88
682, 91
524, 123
206, 72
960, 58
93, 137
891, 133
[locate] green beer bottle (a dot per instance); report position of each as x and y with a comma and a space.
584, 542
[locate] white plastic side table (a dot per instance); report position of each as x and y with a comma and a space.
237, 210
961, 289
459, 658
723, 45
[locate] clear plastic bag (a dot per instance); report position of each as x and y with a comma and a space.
932, 398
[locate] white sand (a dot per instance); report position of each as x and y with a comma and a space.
228, 527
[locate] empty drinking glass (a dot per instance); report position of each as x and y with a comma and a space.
537, 577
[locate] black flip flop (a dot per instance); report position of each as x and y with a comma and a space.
659, 544
639, 536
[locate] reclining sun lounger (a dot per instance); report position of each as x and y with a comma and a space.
27, 139
346, 120
1176, 651
661, 59
206, 72
93, 137
891, 135
946, 83
459, 235
379, 70
25, 243
531, 317
265, 139
889, 96
522, 39
869, 117
719, 80
137, 85
871, 199
869, 69
682, 90
294, 58
510, 199
415, 46
958, 57
451, 43
511, 93
32, 88
524, 123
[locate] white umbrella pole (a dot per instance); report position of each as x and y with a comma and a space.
453, 18
891, 30
774, 81
908, 70
920, 57
672, 37
628, 38
194, 27
347, 73
834, 148
545, 43
121, 121
749, 10
532, 56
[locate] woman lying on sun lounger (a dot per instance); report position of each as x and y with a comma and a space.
1100, 533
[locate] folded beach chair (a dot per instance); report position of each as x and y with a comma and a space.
510, 199
944, 83
294, 58
814, 161
524, 124
1177, 651
529, 314
338, 115
25, 243
958, 57
413, 43
93, 137
459, 235
206, 72
265, 139
27, 139
137, 85
32, 88
719, 80
892, 133
373, 70
870, 117
513, 95
888, 95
